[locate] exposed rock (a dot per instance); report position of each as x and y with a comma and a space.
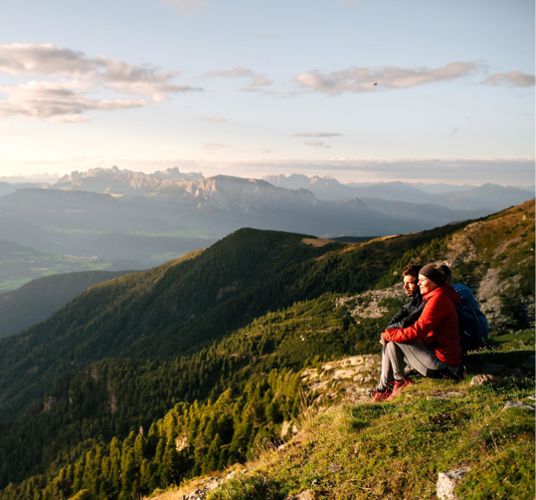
517, 404
203, 489
488, 296
369, 304
304, 495
288, 429
343, 374
461, 247
447, 481
483, 378
181, 442
347, 379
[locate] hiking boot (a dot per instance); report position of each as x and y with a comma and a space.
399, 386
378, 395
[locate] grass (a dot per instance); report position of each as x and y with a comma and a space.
396, 449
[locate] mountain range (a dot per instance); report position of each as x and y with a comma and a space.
485, 197
133, 220
204, 350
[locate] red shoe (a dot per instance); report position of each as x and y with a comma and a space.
379, 396
399, 386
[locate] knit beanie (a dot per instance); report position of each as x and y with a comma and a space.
433, 274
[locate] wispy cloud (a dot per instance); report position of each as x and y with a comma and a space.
317, 134
257, 82
512, 79
388, 77
317, 144
80, 76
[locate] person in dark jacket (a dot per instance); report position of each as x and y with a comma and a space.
410, 312
478, 335
431, 345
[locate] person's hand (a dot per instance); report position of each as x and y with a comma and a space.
382, 339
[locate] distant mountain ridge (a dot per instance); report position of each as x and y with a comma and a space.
136, 220
487, 196
122, 181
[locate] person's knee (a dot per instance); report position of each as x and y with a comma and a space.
390, 347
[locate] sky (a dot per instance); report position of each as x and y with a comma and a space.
360, 90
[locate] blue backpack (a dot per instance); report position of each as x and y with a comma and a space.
473, 323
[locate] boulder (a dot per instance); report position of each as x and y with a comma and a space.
483, 378
447, 482
517, 404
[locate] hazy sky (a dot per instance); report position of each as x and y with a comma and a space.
360, 90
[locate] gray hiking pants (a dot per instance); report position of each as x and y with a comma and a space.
416, 355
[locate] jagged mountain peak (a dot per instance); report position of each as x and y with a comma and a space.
226, 192
124, 181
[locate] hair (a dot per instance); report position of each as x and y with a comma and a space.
411, 270
446, 271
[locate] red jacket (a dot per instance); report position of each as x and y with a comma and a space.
437, 326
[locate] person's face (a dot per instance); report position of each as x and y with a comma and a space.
410, 286
426, 285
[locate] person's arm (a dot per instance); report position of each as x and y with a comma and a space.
432, 315
397, 319
408, 314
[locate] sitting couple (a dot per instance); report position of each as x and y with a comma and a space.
425, 333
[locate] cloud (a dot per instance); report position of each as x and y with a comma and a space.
256, 83
388, 77
80, 71
55, 100
317, 144
512, 79
317, 134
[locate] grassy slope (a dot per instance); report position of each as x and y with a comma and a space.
396, 449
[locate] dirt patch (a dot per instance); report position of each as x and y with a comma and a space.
316, 242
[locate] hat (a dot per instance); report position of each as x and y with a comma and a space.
433, 274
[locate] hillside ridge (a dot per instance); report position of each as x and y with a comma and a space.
257, 308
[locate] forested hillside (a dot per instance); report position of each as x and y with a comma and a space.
38, 299
216, 340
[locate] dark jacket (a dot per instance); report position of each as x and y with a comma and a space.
437, 326
409, 313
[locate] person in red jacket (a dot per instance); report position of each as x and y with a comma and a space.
431, 346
